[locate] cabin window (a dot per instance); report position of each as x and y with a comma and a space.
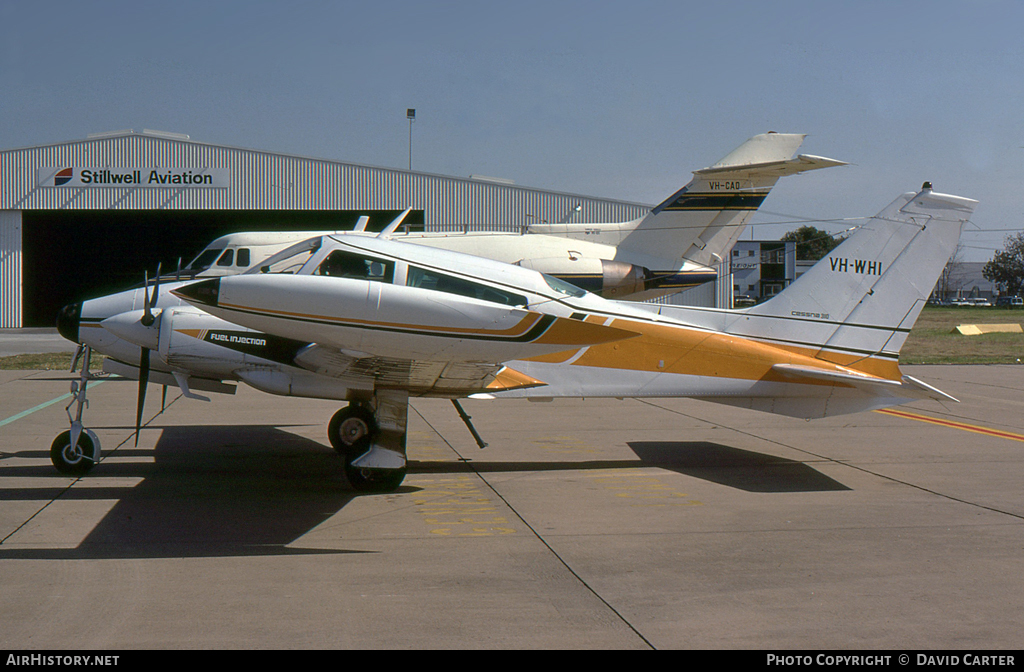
226, 259
242, 258
424, 279
343, 264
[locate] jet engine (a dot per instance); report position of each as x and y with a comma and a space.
609, 278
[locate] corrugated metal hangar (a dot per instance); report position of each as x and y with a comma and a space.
87, 217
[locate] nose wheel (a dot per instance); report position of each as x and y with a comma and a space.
77, 450
75, 459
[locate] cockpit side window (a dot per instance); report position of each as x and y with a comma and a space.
344, 264
419, 277
226, 259
242, 258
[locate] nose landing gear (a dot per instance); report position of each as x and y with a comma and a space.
77, 450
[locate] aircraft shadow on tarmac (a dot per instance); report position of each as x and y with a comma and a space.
251, 490
210, 491
734, 467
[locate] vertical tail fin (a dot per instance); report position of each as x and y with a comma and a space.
703, 220
700, 222
860, 302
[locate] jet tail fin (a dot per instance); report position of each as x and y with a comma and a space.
709, 214
700, 222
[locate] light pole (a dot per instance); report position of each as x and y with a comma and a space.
411, 116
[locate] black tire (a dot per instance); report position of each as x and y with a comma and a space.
70, 461
374, 480
351, 430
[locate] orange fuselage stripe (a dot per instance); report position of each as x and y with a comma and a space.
681, 350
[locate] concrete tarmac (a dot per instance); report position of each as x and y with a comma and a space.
598, 524
33, 341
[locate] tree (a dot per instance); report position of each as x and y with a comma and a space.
811, 243
953, 275
1007, 266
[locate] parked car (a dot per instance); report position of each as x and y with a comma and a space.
1009, 302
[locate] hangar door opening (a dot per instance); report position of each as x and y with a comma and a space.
73, 255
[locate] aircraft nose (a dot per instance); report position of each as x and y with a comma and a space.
205, 292
68, 320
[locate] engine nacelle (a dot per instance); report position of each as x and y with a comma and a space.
209, 346
297, 383
609, 278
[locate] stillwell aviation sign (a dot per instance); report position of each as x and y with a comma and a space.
179, 178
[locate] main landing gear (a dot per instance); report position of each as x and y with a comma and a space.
371, 439
77, 450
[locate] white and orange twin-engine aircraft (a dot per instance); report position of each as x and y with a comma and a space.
374, 321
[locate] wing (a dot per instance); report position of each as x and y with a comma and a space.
418, 377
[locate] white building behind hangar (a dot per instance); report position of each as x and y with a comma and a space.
82, 218
760, 269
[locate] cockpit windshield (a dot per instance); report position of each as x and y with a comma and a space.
564, 287
290, 259
204, 260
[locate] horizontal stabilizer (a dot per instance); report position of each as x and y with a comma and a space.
800, 164
927, 390
908, 387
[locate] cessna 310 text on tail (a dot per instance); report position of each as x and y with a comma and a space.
671, 248
373, 321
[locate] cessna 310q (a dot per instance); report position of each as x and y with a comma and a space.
374, 321
671, 248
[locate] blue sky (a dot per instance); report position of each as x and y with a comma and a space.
614, 99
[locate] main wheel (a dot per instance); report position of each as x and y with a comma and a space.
74, 460
351, 430
373, 480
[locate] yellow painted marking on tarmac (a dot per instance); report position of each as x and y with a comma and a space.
457, 507
564, 445
644, 489
977, 429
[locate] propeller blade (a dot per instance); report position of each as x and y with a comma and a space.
156, 288
147, 317
143, 382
